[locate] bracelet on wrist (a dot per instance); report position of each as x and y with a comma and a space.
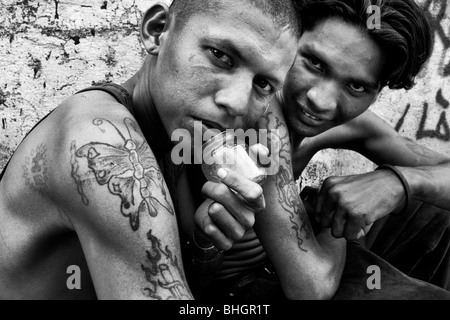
404, 182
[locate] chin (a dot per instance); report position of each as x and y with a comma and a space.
305, 131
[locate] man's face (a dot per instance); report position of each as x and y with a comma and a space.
221, 69
335, 78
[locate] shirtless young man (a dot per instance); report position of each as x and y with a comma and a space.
341, 67
90, 185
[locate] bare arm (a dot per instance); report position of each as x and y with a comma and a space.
308, 267
110, 187
426, 171
363, 199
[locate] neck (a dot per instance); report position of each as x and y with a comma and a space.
296, 139
145, 112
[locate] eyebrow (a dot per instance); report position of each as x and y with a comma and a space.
373, 85
229, 46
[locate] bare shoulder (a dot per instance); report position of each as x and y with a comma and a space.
103, 152
91, 162
40, 169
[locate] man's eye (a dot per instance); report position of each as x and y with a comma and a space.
357, 88
222, 57
315, 63
264, 85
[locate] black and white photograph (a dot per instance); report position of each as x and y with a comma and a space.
239, 153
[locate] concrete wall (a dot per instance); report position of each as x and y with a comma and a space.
50, 49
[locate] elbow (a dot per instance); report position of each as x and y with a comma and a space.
313, 291
321, 285
327, 289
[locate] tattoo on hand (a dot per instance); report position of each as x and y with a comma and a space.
129, 169
418, 149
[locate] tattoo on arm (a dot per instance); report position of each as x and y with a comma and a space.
418, 149
158, 274
35, 169
289, 195
76, 174
129, 170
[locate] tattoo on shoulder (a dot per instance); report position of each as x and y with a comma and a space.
35, 168
128, 169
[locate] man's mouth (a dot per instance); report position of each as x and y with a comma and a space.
213, 125
209, 125
310, 115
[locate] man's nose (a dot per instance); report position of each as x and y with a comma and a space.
324, 98
235, 95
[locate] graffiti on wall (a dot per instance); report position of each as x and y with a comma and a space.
438, 16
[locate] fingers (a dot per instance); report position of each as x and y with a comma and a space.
251, 192
338, 223
208, 232
229, 226
259, 154
227, 203
229, 210
363, 232
324, 206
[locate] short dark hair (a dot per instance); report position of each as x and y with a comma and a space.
405, 35
282, 12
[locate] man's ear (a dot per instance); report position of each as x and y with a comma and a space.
154, 22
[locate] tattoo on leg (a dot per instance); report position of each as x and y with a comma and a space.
130, 171
35, 168
158, 273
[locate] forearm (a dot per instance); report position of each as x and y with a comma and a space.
308, 267
334, 251
429, 184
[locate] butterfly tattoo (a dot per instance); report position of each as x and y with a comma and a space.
128, 169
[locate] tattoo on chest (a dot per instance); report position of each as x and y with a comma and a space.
35, 168
129, 171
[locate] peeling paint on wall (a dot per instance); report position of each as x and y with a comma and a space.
50, 49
